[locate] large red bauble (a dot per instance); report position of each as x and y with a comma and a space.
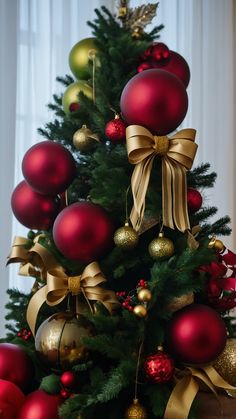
159, 367
40, 405
83, 231
194, 200
155, 99
32, 209
11, 400
176, 65
15, 365
196, 334
48, 167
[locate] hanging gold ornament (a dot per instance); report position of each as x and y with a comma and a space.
179, 302
126, 237
136, 411
144, 295
216, 244
140, 311
58, 340
225, 364
83, 139
71, 95
161, 248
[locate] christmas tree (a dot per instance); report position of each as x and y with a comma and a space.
129, 314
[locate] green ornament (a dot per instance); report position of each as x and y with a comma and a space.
79, 57
71, 95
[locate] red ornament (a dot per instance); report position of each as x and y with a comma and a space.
40, 405
221, 293
144, 66
65, 394
48, 168
155, 99
32, 209
196, 334
11, 400
115, 130
83, 232
194, 200
159, 367
68, 379
15, 365
74, 107
160, 52
176, 65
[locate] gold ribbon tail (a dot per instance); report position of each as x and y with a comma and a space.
34, 306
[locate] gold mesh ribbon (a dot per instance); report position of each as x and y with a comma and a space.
187, 387
177, 154
59, 286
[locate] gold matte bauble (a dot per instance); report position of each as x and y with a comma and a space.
179, 302
58, 340
126, 237
225, 364
71, 94
136, 411
140, 311
83, 139
161, 248
144, 295
79, 57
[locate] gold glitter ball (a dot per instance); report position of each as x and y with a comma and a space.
225, 364
136, 411
140, 311
144, 295
179, 302
126, 237
161, 248
83, 139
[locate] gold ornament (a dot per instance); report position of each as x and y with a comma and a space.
140, 311
126, 237
216, 244
136, 411
179, 302
83, 139
79, 57
144, 295
161, 248
58, 340
71, 94
225, 364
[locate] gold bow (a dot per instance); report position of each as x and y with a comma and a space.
59, 285
177, 153
187, 387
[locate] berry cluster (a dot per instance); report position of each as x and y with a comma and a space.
24, 334
130, 300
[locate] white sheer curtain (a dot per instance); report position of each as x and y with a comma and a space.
35, 39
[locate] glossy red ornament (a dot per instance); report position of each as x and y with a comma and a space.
48, 168
176, 65
83, 232
40, 405
196, 334
144, 66
68, 379
11, 400
159, 367
194, 200
155, 99
33, 210
74, 107
115, 130
160, 52
15, 365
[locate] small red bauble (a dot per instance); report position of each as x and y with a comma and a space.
74, 107
65, 393
194, 200
155, 99
176, 65
159, 367
15, 365
40, 405
33, 210
68, 379
196, 334
11, 400
160, 52
83, 232
144, 66
115, 130
48, 168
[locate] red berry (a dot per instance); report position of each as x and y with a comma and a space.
19, 334
65, 393
68, 379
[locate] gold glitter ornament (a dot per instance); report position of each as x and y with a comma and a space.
144, 295
136, 411
179, 302
161, 248
83, 139
140, 311
126, 237
225, 364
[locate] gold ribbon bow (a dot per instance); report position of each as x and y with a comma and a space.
59, 285
177, 153
187, 387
